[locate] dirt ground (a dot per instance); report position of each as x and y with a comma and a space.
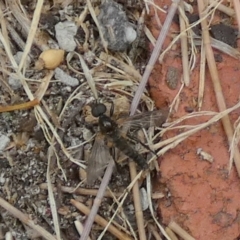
200, 196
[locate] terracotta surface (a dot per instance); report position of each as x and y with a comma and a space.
204, 199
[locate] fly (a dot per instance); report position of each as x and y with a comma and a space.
100, 155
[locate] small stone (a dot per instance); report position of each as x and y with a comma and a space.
172, 77
4, 141
117, 31
18, 57
65, 32
144, 199
14, 82
65, 78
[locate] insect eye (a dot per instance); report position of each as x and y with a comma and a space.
98, 109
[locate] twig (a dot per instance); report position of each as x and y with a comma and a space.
94, 17
229, 11
26, 220
236, 5
219, 45
201, 77
184, 45
171, 234
3, 22
216, 83
181, 232
51, 195
149, 192
97, 201
15, 36
20, 106
81, 191
137, 203
154, 56
154, 232
99, 220
126, 69
79, 227
40, 40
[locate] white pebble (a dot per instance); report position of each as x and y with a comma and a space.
14, 82
4, 141
65, 32
65, 78
144, 199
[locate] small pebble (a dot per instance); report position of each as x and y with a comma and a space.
18, 57
65, 32
65, 78
144, 199
117, 31
172, 77
15, 83
4, 141
224, 33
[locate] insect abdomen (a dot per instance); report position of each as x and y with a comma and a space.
124, 146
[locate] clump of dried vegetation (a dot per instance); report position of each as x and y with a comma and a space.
43, 190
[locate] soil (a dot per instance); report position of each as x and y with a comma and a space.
201, 196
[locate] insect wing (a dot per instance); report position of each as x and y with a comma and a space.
98, 159
144, 120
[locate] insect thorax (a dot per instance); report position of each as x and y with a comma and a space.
107, 125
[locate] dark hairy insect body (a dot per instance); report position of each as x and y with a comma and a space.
110, 129
113, 132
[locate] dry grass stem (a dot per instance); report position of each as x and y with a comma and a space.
88, 76
149, 35
151, 2
81, 191
43, 86
216, 83
149, 193
40, 39
229, 11
101, 221
154, 232
210, 13
94, 17
20, 106
137, 203
26, 220
219, 45
171, 234
154, 56
184, 45
15, 36
20, 17
236, 5
174, 104
51, 196
79, 228
126, 69
98, 200
169, 143
181, 232
120, 204
201, 77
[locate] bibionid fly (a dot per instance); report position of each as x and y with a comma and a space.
112, 131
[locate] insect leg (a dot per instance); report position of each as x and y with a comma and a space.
144, 145
111, 109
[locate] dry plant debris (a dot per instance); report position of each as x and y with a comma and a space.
58, 57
